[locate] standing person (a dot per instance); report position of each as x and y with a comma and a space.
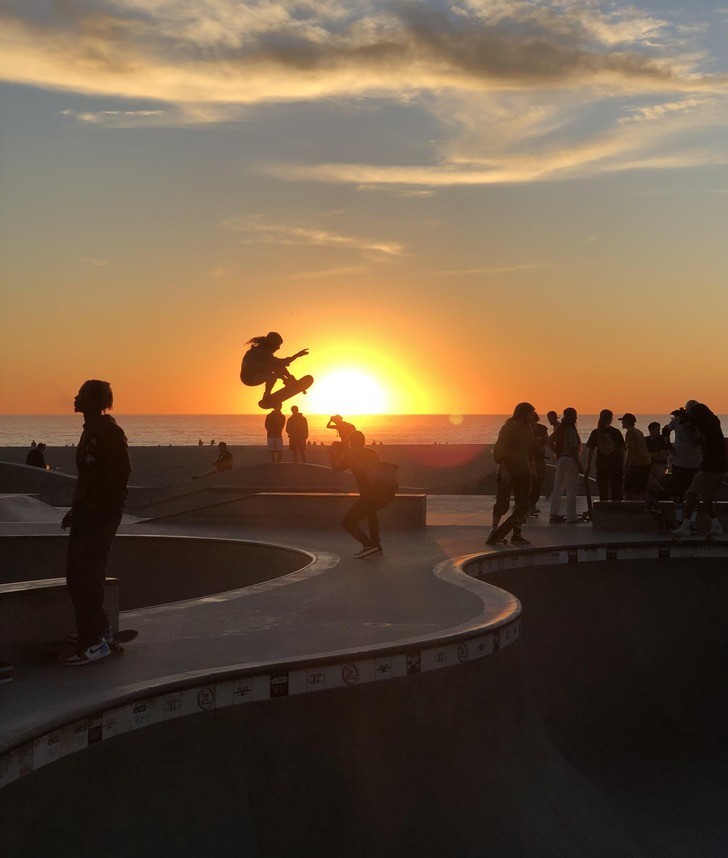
102, 459
540, 444
274, 423
377, 486
36, 456
686, 452
608, 443
553, 419
638, 462
513, 453
657, 447
566, 445
261, 366
712, 472
297, 431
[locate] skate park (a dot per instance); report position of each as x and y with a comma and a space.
444, 698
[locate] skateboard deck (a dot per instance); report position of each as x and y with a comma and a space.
587, 516
498, 536
56, 649
277, 397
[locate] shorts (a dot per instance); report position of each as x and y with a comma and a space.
680, 480
275, 445
707, 484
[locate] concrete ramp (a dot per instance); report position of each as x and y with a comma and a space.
26, 508
51, 486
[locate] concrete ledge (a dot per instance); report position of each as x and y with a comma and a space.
303, 509
635, 517
33, 613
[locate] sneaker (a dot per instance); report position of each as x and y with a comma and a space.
557, 519
685, 529
95, 652
715, 529
368, 550
519, 539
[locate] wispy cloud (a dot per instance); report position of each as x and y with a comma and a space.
260, 232
328, 273
89, 260
115, 118
499, 269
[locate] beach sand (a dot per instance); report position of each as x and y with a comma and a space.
441, 468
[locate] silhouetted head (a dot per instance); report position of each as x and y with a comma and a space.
552, 417
524, 411
570, 413
654, 428
629, 419
41, 446
273, 339
691, 403
94, 397
335, 418
605, 417
356, 439
222, 445
294, 409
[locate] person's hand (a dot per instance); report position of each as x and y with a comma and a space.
67, 520
302, 353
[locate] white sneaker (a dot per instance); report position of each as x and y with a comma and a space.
715, 529
95, 652
684, 529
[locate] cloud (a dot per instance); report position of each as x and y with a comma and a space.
115, 118
292, 234
327, 273
504, 269
89, 260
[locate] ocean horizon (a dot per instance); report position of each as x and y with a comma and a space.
152, 430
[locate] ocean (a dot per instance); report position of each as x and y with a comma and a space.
152, 430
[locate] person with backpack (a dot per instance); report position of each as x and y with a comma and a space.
686, 453
608, 444
377, 484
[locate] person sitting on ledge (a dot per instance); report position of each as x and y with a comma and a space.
224, 462
36, 457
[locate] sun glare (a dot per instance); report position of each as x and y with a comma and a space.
347, 392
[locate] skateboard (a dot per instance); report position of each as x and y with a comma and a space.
664, 523
587, 516
498, 536
56, 649
278, 397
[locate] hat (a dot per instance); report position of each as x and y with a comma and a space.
628, 416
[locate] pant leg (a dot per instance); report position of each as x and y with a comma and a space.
616, 480
559, 481
537, 482
92, 534
360, 510
521, 484
502, 495
571, 484
604, 480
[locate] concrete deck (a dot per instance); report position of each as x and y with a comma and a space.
337, 607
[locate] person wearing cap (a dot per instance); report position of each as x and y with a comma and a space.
261, 366
638, 461
686, 451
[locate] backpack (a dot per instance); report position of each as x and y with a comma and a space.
605, 443
383, 482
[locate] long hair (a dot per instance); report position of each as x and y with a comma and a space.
99, 392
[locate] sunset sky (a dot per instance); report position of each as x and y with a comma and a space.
467, 203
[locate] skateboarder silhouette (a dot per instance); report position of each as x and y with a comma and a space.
261, 366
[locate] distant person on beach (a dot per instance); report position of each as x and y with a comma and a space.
224, 462
608, 444
102, 459
377, 484
566, 446
712, 472
540, 445
36, 456
297, 431
638, 462
686, 454
274, 423
513, 453
261, 366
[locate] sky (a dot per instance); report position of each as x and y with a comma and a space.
454, 206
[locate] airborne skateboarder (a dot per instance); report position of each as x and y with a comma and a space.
261, 366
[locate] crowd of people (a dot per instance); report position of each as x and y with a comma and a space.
684, 460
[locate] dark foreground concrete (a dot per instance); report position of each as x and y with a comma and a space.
599, 733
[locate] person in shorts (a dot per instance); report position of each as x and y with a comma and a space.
712, 472
274, 423
638, 462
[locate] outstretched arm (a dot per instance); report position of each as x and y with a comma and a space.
302, 353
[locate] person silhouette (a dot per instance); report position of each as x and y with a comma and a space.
261, 366
297, 431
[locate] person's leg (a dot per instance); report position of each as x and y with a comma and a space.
616, 480
373, 523
603, 482
537, 483
502, 498
558, 489
88, 551
521, 484
571, 485
350, 522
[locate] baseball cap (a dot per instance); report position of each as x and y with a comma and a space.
629, 416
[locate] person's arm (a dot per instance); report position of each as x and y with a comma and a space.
290, 359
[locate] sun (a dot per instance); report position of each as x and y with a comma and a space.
347, 392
